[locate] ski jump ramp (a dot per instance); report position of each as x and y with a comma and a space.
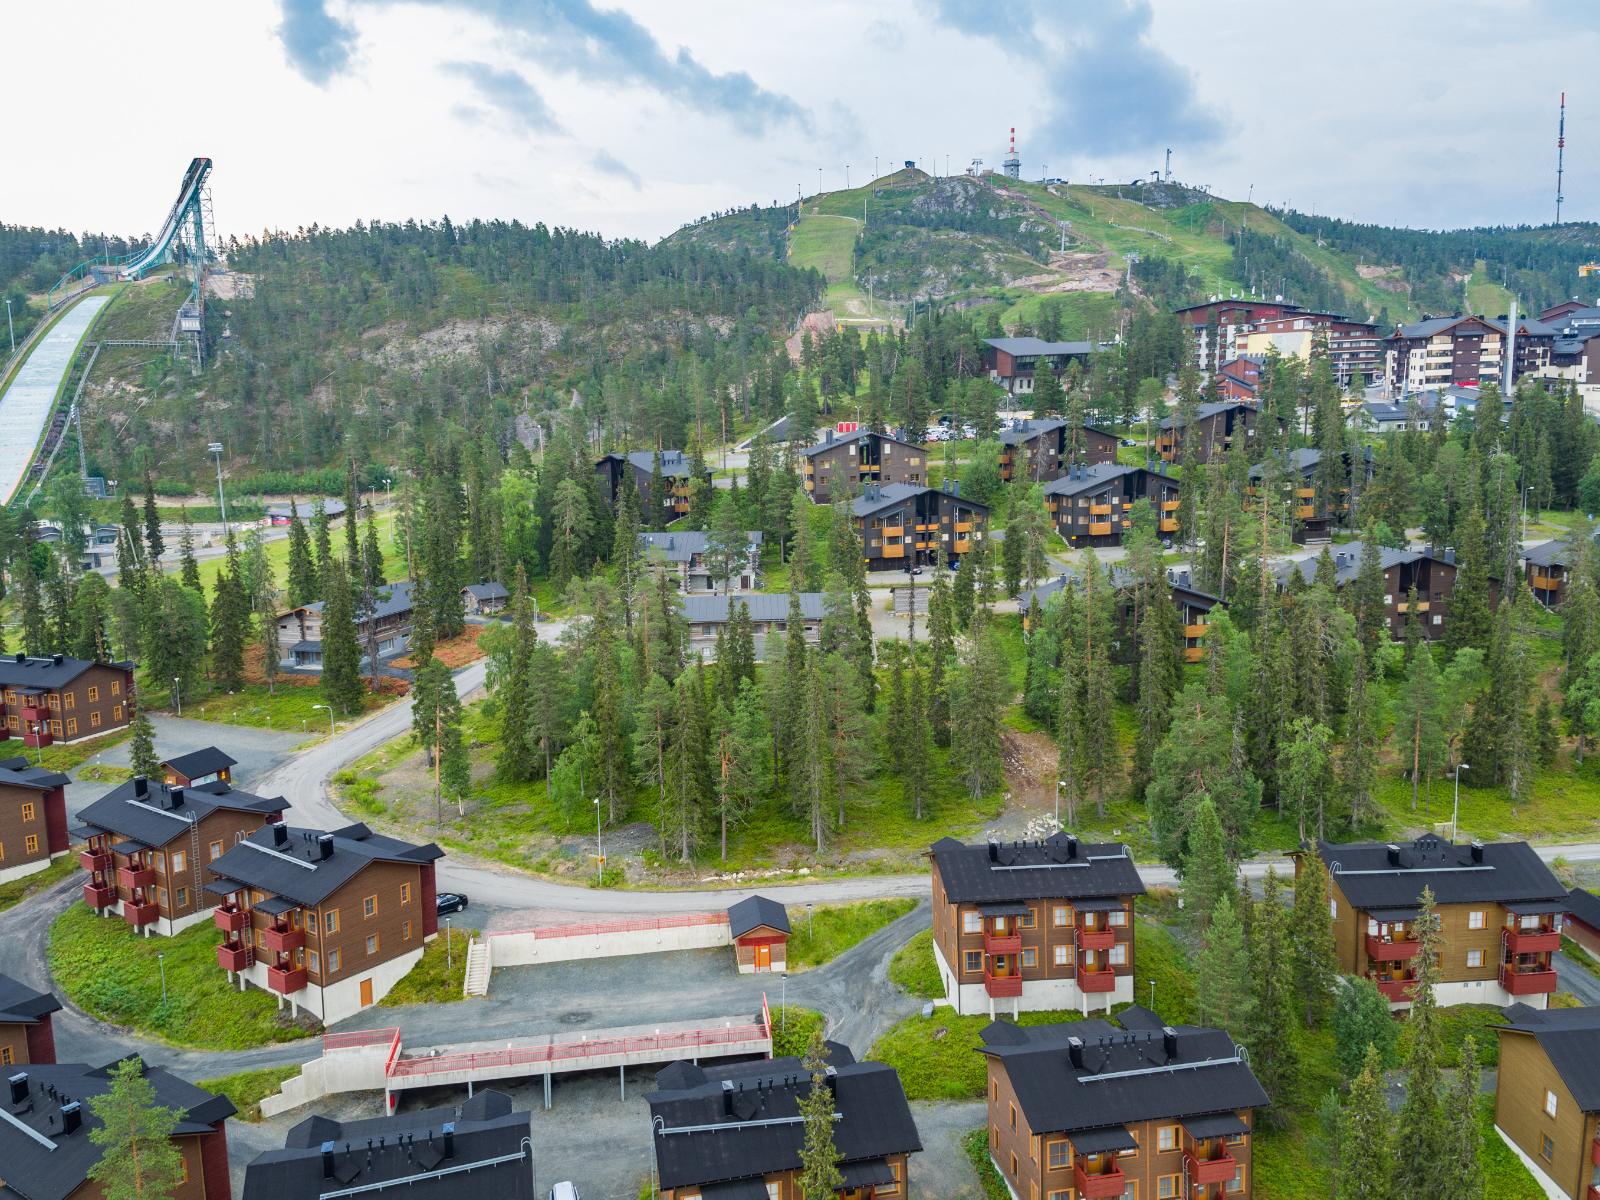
25, 406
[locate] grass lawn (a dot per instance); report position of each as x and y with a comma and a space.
291, 707
438, 978
828, 931
976, 1144
914, 970
938, 1057
65, 756
1456, 1024
1580, 957
18, 890
792, 1028
277, 552
1504, 1176
247, 1089
1160, 958
114, 975
97, 772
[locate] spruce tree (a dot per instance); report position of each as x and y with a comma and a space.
89, 637
688, 791
917, 749
741, 759
372, 554
142, 745
1464, 1167
30, 605
152, 522
611, 742
1100, 758
1358, 756
819, 1155
515, 755
979, 695
1316, 968
1469, 622
1419, 729
1423, 1127
230, 627
941, 650
805, 563
1208, 872
1273, 1046
188, 567
1222, 992
1366, 1145
341, 651
304, 586
1362, 1022
322, 547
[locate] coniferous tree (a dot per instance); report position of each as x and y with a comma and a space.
819, 1155
625, 553
916, 742
1303, 772
142, 745
152, 522
1470, 620
1273, 1047
1362, 1022
372, 554
1198, 760
1464, 1167
89, 637
1208, 872
172, 632
341, 650
30, 605
188, 567
352, 531
1420, 730
1423, 1127
610, 735
979, 695
1099, 753
138, 1160
132, 529
1366, 1153
810, 767
741, 759
1316, 967
941, 650
688, 791
304, 586
805, 563
1222, 992
322, 549
1358, 756
515, 756
230, 626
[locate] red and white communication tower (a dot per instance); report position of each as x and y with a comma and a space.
1011, 164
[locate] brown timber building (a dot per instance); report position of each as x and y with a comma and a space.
59, 699
1044, 449
846, 464
904, 524
26, 1035
1547, 1095
33, 818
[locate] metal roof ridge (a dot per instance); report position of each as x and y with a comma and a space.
299, 862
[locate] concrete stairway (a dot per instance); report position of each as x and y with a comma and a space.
478, 967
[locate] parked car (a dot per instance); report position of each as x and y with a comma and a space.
451, 902
564, 1191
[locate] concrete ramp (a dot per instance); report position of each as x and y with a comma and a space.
26, 404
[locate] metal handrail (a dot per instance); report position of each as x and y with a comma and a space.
552, 1052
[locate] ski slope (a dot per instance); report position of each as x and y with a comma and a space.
25, 406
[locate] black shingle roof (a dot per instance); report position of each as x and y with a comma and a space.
1060, 867
152, 820
294, 870
1201, 412
411, 1159
487, 591
53, 671
21, 1005
1570, 1038
54, 1168
714, 609
843, 439
1585, 906
19, 772
206, 761
1142, 1080
1508, 872
674, 463
754, 911
875, 1119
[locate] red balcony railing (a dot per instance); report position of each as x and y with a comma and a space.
1096, 939
1002, 985
36, 738
1592, 1192
1002, 943
282, 941
1395, 990
34, 712
99, 895
1203, 1171
1392, 950
286, 979
1536, 982
136, 877
139, 914
1097, 981
1101, 1185
1594, 1151
233, 958
94, 861
230, 919
1533, 941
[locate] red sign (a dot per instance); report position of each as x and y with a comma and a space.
847, 427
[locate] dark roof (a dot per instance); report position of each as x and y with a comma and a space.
754, 911
21, 1005
294, 870
19, 772
307, 509
1556, 553
206, 761
1175, 421
486, 591
410, 1160
55, 1167
1374, 875
48, 671
1304, 461
152, 820
1125, 1077
887, 495
841, 439
1033, 345
681, 546
1570, 1038
713, 609
393, 598
1584, 905
1178, 580
674, 463
1347, 562
1094, 477
1027, 430
875, 1120
1058, 868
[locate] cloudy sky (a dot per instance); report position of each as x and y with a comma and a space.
632, 117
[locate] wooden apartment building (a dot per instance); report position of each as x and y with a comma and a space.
1044, 448
26, 1034
845, 464
1499, 910
682, 554
1548, 569
53, 698
46, 1152
1465, 350
904, 524
1582, 920
735, 1131
329, 922
1089, 1110
33, 818
769, 618
1194, 608
1034, 925
1093, 506
300, 629
151, 849
1014, 362
1547, 1096
1214, 429
1433, 574
612, 469
206, 765
1315, 516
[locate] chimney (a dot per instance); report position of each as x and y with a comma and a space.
21, 658
327, 1160
141, 787
829, 439
727, 1097
672, 541
1072, 845
55, 660
19, 1088
449, 1132
1394, 855
175, 798
1075, 1052
994, 852
1169, 1042
324, 846
71, 1118
1477, 851
280, 834
955, 488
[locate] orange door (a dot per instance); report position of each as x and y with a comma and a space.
366, 992
763, 957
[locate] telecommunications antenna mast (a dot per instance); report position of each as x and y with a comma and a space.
1561, 151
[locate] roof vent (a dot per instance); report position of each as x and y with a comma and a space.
21, 658
141, 787
1072, 845
175, 798
449, 1132
71, 1118
994, 852
327, 1160
19, 1088
727, 1097
1394, 854
1075, 1052
1169, 1042
280, 834
56, 660
325, 852
1477, 851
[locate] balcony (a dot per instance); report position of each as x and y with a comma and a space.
283, 941
1096, 981
1099, 528
1405, 606
139, 915
1194, 631
1194, 654
99, 895
1540, 981
1096, 939
1304, 512
963, 526
230, 920
1002, 943
136, 877
1169, 506
1305, 493
1395, 991
284, 980
1167, 526
95, 861
36, 738
999, 986
894, 531
1548, 583
1397, 949
1220, 1169
1100, 1185
1592, 1192
1594, 1151
960, 546
34, 712
1099, 510
1532, 941
233, 958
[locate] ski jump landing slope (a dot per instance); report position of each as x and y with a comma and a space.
25, 406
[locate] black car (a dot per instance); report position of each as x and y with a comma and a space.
451, 902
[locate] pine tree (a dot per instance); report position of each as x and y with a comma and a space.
304, 586
688, 789
142, 747
1419, 730
1423, 1127
1273, 1047
1362, 1022
1316, 967
1366, 1146
809, 765
152, 522
515, 756
819, 1155
1222, 993
341, 651
138, 1158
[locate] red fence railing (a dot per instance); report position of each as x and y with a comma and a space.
631, 925
360, 1039
533, 1056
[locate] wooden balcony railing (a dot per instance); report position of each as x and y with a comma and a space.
1532, 941
1097, 981
1392, 949
1526, 981
1099, 1185
1096, 939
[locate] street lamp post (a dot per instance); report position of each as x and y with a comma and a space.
215, 448
387, 492
177, 695
449, 950
161, 962
1060, 783
599, 849
783, 1003
1455, 811
333, 730
10, 328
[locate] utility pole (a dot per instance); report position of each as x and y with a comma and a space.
438, 800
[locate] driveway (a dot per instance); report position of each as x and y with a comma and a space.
1570, 977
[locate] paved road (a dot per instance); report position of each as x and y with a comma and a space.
25, 406
1573, 978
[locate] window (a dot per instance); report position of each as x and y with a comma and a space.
1061, 956
94, 720
1372, 927
1475, 919
72, 701
1474, 958
1333, 909
994, 1090
369, 907
30, 844
1549, 1103
372, 944
1119, 954
1027, 919
1547, 1148
405, 931
330, 921
1134, 1134
1061, 1195
55, 728
1236, 1184
2, 852
333, 962
1013, 1164
176, 861
314, 961
405, 893
54, 702
1013, 1123
94, 695
974, 961
1167, 1137
1167, 1187
1058, 1155
116, 712
1437, 619
183, 897
116, 687
183, 1169
5, 1056
213, 851
971, 922
1058, 916
27, 811
72, 726
1030, 957
1117, 917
